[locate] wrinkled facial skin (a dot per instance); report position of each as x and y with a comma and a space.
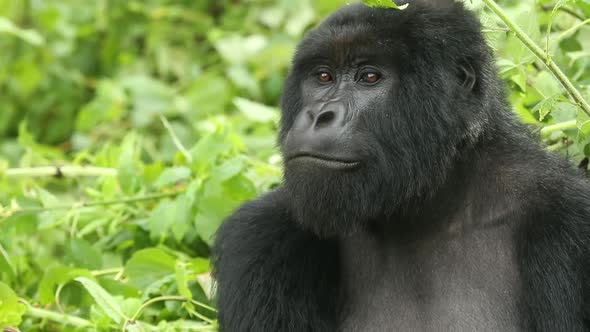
328, 151
325, 133
373, 119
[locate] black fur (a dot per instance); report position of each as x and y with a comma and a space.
447, 173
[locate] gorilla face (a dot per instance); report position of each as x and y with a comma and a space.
371, 119
325, 134
330, 159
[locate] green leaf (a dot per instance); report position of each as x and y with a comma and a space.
129, 307
30, 36
172, 176
547, 85
255, 111
161, 219
301, 16
57, 276
241, 77
199, 265
213, 208
228, 169
26, 140
150, 98
148, 266
182, 280
119, 287
81, 253
208, 149
104, 300
11, 311
128, 167
583, 122
109, 104
208, 94
239, 188
6, 265
237, 49
546, 106
519, 78
182, 217
384, 4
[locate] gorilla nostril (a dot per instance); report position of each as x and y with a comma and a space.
325, 118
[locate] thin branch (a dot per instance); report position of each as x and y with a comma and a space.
571, 30
169, 298
550, 25
539, 53
564, 9
176, 140
564, 143
63, 319
59, 171
17, 210
548, 130
98, 273
495, 29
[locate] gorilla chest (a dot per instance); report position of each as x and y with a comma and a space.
458, 283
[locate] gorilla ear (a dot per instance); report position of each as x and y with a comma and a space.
467, 76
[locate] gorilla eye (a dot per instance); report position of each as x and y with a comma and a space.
370, 77
325, 77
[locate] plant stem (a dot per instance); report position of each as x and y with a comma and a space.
545, 58
98, 273
559, 145
168, 298
176, 140
548, 130
60, 171
571, 30
97, 203
565, 10
63, 319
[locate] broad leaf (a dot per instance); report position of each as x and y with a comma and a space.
11, 311
104, 300
148, 266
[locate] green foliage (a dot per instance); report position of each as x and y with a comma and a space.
10, 310
384, 4
155, 119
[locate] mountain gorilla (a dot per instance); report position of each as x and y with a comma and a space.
412, 199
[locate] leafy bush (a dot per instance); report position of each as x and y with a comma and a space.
129, 129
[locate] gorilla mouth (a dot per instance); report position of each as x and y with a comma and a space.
324, 161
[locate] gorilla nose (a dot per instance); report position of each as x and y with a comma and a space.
320, 134
323, 119
333, 117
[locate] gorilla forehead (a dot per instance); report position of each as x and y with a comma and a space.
351, 33
425, 27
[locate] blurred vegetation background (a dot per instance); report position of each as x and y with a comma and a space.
130, 129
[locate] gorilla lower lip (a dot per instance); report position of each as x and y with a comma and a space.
326, 162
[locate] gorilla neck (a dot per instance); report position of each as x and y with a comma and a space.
479, 189
464, 180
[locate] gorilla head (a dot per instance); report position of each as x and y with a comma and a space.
379, 107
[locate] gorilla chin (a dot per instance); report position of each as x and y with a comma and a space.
327, 197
